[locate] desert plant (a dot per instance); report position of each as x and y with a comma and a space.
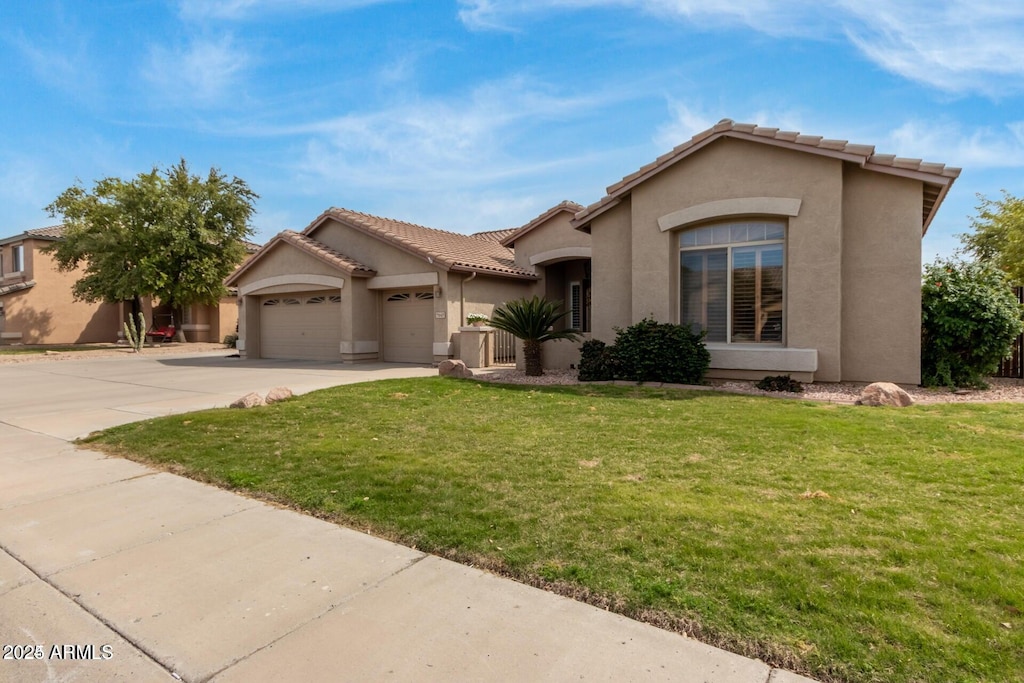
595, 362
649, 351
969, 320
532, 320
135, 332
780, 383
231, 341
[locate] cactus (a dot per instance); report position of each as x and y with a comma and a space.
135, 333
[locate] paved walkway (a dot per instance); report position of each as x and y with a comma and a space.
112, 571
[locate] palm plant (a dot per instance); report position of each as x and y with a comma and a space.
532, 321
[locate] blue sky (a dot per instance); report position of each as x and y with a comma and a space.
473, 115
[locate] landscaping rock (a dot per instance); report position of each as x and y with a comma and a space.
884, 394
453, 368
249, 401
278, 394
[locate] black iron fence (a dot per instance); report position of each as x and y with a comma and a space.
1014, 365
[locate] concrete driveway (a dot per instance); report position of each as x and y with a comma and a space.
110, 570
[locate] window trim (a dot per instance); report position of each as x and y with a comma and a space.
18, 258
729, 248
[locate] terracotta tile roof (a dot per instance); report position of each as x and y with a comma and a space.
495, 235
571, 207
52, 232
451, 250
937, 178
10, 289
311, 247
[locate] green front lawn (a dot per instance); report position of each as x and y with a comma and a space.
853, 544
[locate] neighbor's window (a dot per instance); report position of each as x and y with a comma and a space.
18, 258
731, 281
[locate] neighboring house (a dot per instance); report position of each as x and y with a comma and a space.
798, 255
37, 305
354, 287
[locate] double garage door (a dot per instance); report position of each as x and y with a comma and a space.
301, 326
307, 326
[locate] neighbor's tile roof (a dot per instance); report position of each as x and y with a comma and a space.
571, 207
450, 250
10, 289
51, 232
937, 178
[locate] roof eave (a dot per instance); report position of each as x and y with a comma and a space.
462, 268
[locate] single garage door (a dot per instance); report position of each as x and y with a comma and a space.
409, 327
301, 326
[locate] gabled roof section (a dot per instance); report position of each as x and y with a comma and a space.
937, 178
309, 245
449, 250
566, 206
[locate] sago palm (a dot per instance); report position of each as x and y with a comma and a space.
532, 320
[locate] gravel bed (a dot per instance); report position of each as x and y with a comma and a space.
1000, 389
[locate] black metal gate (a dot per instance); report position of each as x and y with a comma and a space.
1014, 365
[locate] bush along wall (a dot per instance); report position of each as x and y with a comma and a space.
969, 320
647, 351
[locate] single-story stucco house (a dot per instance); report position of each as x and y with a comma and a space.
798, 255
355, 287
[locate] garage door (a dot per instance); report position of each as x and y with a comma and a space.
301, 326
409, 327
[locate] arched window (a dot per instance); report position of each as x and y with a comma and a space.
731, 281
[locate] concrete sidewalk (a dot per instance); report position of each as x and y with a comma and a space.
113, 571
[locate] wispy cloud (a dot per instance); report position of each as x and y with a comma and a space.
60, 61
200, 73
475, 139
234, 10
953, 45
952, 143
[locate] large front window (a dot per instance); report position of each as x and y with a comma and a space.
731, 281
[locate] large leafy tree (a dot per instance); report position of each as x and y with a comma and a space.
171, 235
532, 320
998, 236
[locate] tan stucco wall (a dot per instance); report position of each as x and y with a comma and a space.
611, 263
635, 264
730, 169
881, 306
555, 233
47, 313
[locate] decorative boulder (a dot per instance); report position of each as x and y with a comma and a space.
453, 368
249, 401
884, 394
278, 394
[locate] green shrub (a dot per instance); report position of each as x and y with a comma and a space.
595, 362
969, 320
650, 351
231, 341
780, 383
